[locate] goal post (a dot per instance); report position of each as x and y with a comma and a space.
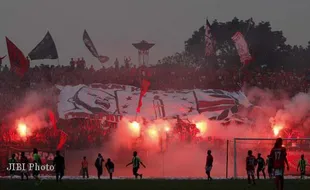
295, 147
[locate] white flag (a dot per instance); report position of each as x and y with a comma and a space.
242, 48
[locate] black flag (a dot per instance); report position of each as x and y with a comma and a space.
46, 49
89, 44
91, 47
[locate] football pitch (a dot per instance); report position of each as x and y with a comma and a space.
148, 184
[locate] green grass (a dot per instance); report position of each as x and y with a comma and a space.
150, 185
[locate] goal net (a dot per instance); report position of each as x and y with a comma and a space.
295, 148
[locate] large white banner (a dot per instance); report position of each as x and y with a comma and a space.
100, 100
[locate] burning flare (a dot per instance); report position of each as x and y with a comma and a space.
135, 128
276, 129
202, 127
22, 130
167, 129
152, 133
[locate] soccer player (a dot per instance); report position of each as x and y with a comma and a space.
59, 163
209, 164
250, 167
99, 165
85, 167
36, 160
278, 155
260, 165
302, 166
24, 161
136, 161
269, 164
12, 160
110, 167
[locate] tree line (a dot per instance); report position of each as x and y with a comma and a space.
268, 48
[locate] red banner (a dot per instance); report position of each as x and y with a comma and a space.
144, 88
19, 63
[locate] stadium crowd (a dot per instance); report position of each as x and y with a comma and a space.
162, 77
43, 78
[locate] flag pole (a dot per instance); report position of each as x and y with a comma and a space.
206, 57
250, 22
163, 154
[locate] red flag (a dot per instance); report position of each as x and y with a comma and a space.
144, 88
242, 48
52, 119
62, 140
19, 63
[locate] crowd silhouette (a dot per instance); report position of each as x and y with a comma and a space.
43, 79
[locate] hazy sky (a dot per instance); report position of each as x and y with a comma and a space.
114, 25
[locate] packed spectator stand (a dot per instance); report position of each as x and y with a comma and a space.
42, 79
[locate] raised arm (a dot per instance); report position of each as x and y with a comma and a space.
129, 164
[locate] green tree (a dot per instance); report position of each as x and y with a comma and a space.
265, 45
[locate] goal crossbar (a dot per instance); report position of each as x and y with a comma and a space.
244, 138
257, 139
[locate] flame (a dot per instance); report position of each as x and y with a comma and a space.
202, 127
135, 128
167, 129
152, 133
276, 129
22, 129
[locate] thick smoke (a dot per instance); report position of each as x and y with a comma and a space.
278, 111
295, 112
235, 130
32, 111
266, 101
179, 158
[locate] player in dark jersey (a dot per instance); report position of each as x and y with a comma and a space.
250, 167
278, 155
209, 164
269, 164
59, 164
25, 162
99, 165
260, 165
110, 167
